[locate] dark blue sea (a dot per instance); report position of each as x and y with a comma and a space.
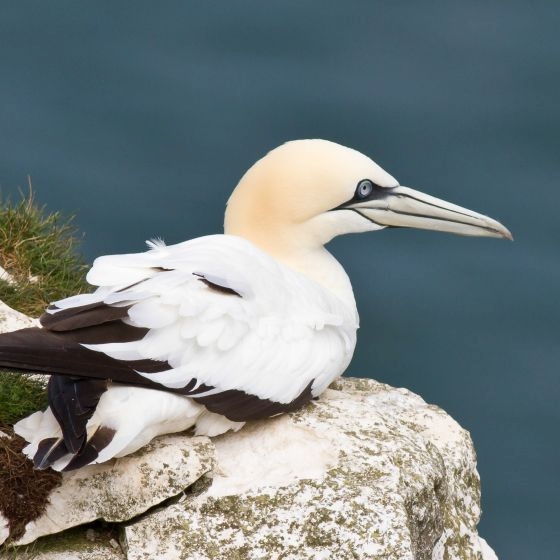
140, 117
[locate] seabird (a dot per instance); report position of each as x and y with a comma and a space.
222, 329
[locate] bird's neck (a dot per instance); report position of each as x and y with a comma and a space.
300, 247
319, 265
311, 260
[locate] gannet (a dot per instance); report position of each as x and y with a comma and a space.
222, 329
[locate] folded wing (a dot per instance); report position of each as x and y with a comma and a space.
214, 319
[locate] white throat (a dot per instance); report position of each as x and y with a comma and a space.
319, 265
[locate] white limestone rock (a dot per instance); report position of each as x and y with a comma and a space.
124, 488
6, 276
4, 528
12, 320
368, 471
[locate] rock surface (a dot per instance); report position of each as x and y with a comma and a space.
4, 528
367, 471
6, 276
124, 488
12, 320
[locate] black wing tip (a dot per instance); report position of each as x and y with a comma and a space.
73, 401
48, 451
239, 406
88, 315
99, 441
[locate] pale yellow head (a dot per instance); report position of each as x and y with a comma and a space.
296, 182
303, 193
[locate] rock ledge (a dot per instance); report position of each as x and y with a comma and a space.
367, 471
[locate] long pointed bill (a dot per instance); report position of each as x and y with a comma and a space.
404, 207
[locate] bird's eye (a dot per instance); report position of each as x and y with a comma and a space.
364, 188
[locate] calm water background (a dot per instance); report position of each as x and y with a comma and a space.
142, 118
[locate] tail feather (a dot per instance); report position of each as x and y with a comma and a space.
90, 452
125, 419
48, 452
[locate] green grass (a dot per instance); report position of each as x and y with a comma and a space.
39, 250
20, 395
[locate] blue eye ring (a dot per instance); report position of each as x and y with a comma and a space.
364, 189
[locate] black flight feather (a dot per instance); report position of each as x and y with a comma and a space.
38, 350
73, 401
48, 451
100, 439
82, 316
239, 406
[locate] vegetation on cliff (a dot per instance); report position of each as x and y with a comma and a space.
39, 251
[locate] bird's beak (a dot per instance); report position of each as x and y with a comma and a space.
405, 207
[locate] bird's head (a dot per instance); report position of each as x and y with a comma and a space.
306, 192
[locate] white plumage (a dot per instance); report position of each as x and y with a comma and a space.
224, 328
283, 332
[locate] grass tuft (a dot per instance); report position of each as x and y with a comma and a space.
39, 250
20, 395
